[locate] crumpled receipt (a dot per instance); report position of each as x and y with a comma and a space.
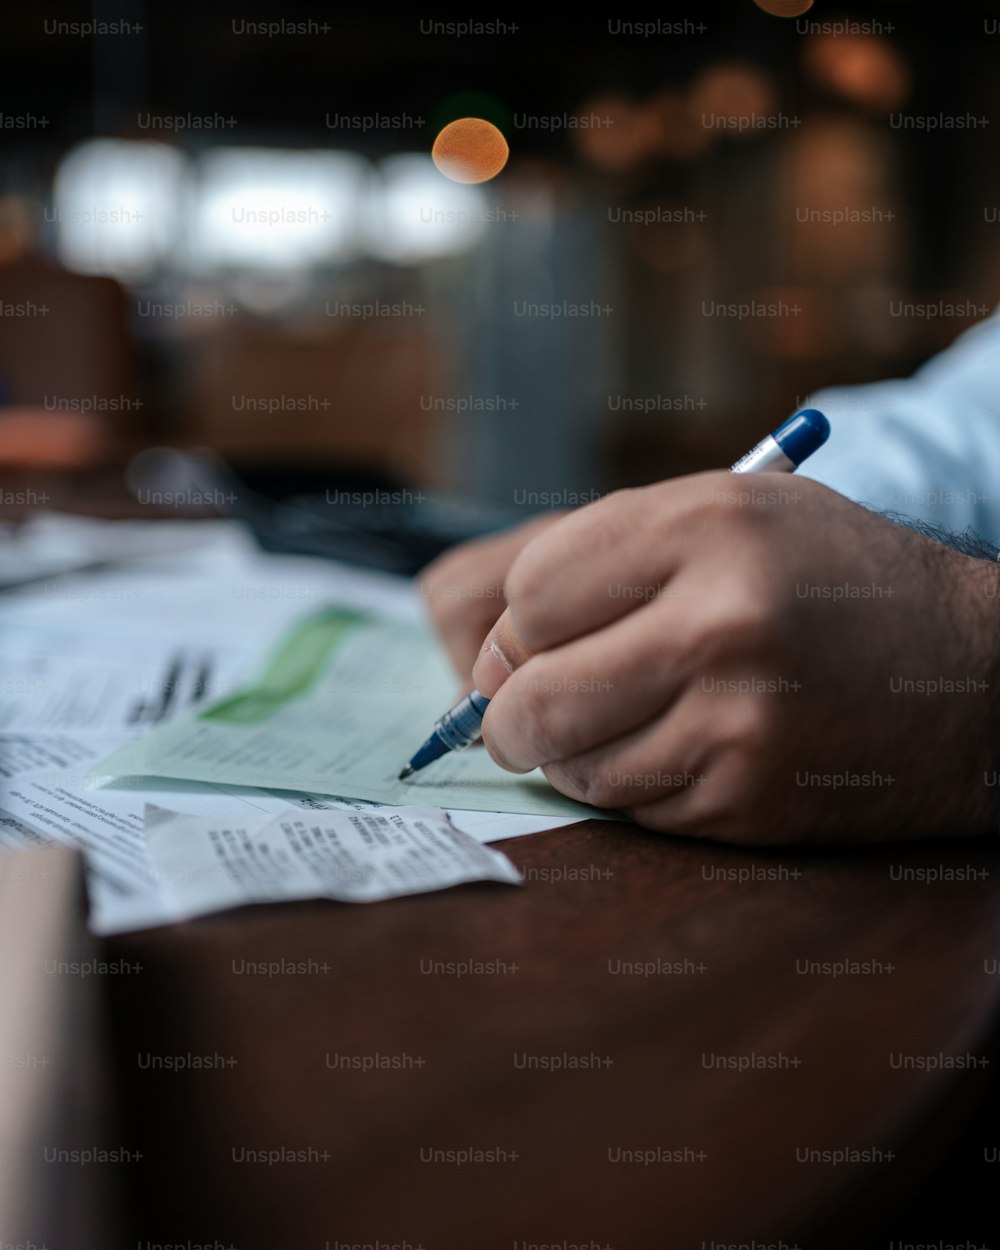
205, 864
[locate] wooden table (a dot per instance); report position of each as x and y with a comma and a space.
567, 1035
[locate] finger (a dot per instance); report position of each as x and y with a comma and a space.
724, 806
599, 563
503, 650
632, 669
659, 760
500, 653
573, 698
698, 771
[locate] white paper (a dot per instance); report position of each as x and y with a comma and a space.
338, 707
87, 662
357, 856
61, 678
50, 544
49, 801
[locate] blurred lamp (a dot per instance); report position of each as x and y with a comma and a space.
116, 206
266, 209
416, 215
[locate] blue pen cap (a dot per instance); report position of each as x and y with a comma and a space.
802, 434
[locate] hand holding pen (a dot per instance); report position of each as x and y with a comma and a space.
781, 452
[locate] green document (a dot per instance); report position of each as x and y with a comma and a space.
340, 707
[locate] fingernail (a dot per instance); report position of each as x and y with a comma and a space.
498, 652
491, 670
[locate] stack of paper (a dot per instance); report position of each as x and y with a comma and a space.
173, 644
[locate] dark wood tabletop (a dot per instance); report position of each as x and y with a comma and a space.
654, 1044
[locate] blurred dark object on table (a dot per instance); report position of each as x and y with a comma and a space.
365, 518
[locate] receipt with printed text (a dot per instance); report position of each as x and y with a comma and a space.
205, 864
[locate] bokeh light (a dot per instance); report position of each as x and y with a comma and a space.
470, 149
732, 96
117, 206
415, 216
784, 8
617, 133
865, 69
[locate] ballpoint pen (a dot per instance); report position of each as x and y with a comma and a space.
780, 452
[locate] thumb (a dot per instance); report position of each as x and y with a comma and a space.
499, 655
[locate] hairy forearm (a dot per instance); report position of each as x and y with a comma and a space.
972, 741
983, 741
969, 543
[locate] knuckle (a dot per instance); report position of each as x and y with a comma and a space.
704, 812
734, 509
747, 726
585, 781
598, 788
566, 776
714, 496
524, 577
523, 590
740, 621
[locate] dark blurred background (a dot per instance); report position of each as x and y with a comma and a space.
221, 227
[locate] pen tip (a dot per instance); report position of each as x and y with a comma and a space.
404, 773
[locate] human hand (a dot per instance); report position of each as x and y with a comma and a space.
753, 659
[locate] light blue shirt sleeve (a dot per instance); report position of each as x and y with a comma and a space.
927, 446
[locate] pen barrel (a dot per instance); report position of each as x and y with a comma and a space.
462, 724
766, 457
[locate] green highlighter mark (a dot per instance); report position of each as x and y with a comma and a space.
291, 670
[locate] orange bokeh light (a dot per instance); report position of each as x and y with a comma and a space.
784, 8
864, 68
470, 150
733, 90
